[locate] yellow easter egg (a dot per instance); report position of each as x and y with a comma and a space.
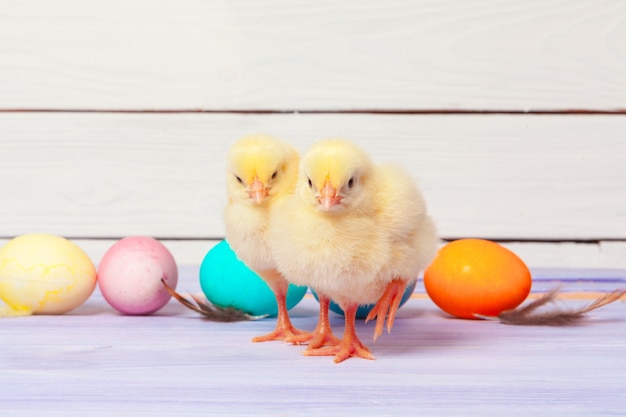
44, 274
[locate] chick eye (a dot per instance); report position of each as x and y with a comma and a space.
310, 183
239, 180
274, 175
351, 182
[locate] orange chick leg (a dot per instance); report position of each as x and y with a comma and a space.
387, 306
349, 346
284, 328
323, 333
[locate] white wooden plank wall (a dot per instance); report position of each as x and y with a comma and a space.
326, 54
115, 116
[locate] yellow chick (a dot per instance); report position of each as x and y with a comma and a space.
356, 233
261, 170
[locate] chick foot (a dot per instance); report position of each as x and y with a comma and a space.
323, 333
284, 328
387, 306
349, 346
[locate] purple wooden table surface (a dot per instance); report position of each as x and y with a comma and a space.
95, 362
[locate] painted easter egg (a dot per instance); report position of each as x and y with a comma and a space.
44, 274
476, 276
228, 282
130, 272
363, 310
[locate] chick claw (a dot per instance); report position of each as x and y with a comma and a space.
316, 339
344, 350
284, 331
323, 333
349, 346
387, 306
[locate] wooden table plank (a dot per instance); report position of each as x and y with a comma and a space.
94, 362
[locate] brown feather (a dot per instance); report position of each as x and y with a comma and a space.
210, 311
526, 316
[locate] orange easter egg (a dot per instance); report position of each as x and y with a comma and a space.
476, 276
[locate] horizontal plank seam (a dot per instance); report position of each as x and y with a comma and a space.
595, 241
573, 112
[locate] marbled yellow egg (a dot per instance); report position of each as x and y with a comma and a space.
44, 274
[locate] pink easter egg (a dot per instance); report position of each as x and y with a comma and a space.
130, 272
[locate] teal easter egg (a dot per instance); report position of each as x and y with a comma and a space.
228, 282
363, 310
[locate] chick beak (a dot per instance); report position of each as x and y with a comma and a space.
328, 196
257, 191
